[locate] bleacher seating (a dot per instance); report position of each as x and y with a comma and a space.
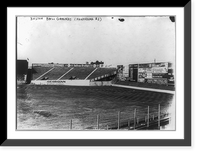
56, 73
102, 72
38, 71
78, 72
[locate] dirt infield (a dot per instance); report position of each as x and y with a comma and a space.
47, 107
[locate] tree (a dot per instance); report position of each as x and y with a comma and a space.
97, 62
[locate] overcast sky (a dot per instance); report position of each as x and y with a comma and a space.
113, 41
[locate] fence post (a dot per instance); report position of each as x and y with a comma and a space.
118, 119
148, 117
71, 124
134, 118
97, 122
129, 123
159, 116
137, 120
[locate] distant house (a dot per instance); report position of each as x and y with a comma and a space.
97, 64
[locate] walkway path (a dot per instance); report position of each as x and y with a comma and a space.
147, 89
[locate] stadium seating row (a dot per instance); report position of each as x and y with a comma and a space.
54, 73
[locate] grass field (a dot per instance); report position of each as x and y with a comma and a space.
45, 107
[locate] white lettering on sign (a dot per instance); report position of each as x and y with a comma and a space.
56, 81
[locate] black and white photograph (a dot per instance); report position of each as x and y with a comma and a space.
95, 73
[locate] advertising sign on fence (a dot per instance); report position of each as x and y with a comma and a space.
149, 75
157, 81
161, 64
133, 66
141, 80
159, 75
159, 70
144, 65
153, 73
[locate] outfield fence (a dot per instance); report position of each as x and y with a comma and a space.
123, 121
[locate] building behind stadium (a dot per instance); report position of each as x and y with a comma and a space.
21, 70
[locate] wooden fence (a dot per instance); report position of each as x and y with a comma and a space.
149, 121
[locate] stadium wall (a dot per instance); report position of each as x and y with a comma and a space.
72, 82
62, 82
100, 83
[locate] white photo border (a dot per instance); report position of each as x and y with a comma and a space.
128, 11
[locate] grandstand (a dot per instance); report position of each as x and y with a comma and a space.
78, 72
102, 72
56, 73
47, 72
37, 72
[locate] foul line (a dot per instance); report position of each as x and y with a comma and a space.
147, 89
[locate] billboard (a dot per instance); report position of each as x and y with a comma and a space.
159, 69
153, 73
159, 73
157, 81
133, 66
144, 66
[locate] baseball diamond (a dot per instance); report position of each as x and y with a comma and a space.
53, 107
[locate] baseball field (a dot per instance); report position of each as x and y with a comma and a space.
47, 107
